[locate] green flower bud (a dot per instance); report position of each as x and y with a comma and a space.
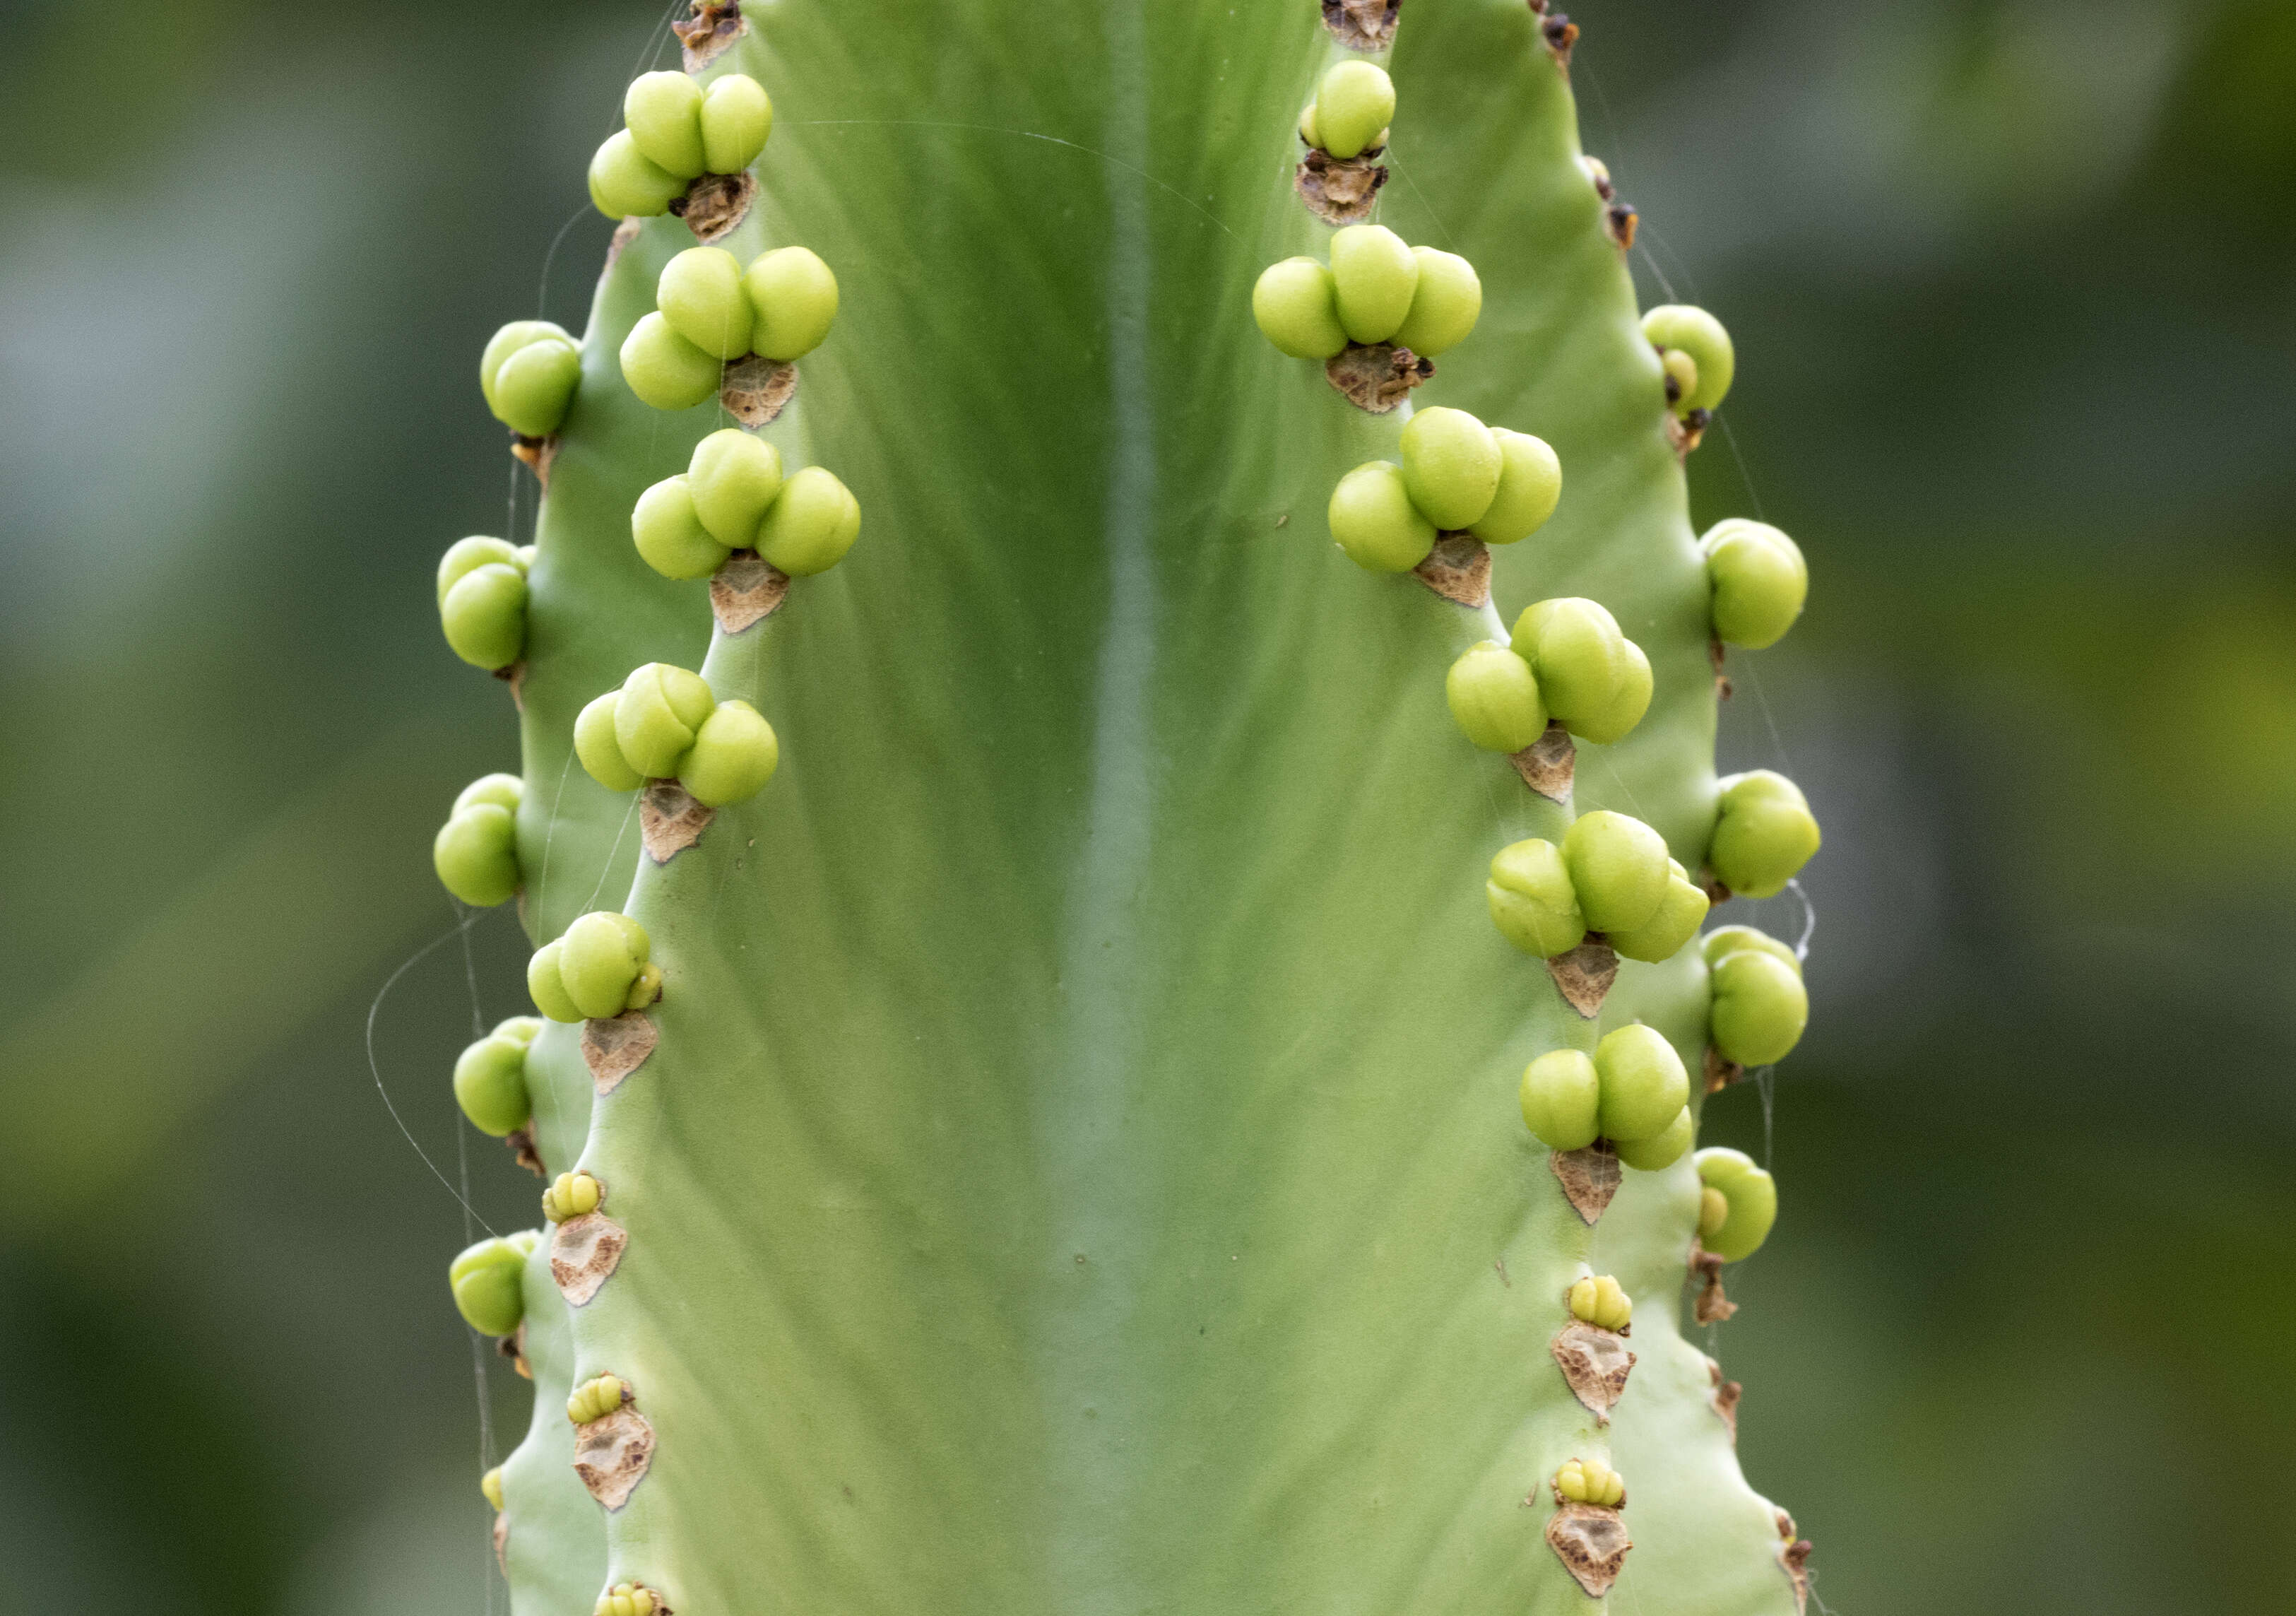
1590, 1481
1627, 707
793, 301
599, 963
1760, 580
484, 615
1680, 913
1560, 1098
811, 526
1372, 275
520, 1030
1760, 1008
1712, 1209
627, 1599
1680, 369
476, 855
663, 112
624, 184
490, 1486
1530, 486
1574, 648
1371, 518
1699, 335
504, 791
1296, 304
736, 119
665, 370
654, 721
699, 294
1450, 466
491, 1084
547, 988
594, 744
572, 1196
1724, 941
594, 1398
1600, 1300
667, 531
1752, 1196
1354, 104
488, 1281
465, 556
1763, 834
1532, 901
1663, 1148
733, 477
1619, 869
1307, 126
535, 385
512, 338
1643, 1083
1494, 698
1445, 305
734, 753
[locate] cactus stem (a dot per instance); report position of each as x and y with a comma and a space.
611, 1453
1720, 1073
746, 590
1549, 764
1340, 190
669, 820
711, 32
1714, 1305
1589, 1178
1592, 1543
1362, 25
614, 1046
715, 205
1376, 376
1584, 976
757, 389
583, 1254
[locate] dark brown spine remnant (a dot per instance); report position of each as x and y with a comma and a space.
1619, 222
669, 820
584, 1253
1685, 433
1714, 1305
1592, 1543
1362, 25
756, 389
716, 203
614, 1046
709, 32
746, 589
1585, 975
1561, 34
1589, 1178
611, 1454
1376, 376
1458, 568
1720, 1073
1549, 765
1595, 1362
1339, 190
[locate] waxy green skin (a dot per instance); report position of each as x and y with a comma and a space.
1080, 1171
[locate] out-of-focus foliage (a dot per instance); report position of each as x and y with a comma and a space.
2012, 288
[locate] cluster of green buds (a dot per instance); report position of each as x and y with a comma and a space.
732, 497
1457, 476
1611, 875
596, 1398
626, 1599
488, 1281
1600, 1300
1567, 662
490, 1077
1352, 108
1694, 352
709, 310
664, 724
575, 1194
1760, 1005
482, 600
1634, 1093
1375, 290
1758, 581
1589, 1481
1737, 1204
529, 373
600, 968
490, 1486
476, 850
1764, 833
675, 132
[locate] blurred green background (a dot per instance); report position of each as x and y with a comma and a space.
2013, 290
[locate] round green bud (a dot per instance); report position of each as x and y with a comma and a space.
1680, 913
1494, 698
1663, 1148
1561, 1094
1760, 1008
1760, 580
1619, 869
476, 855
699, 294
484, 616
490, 1486
1373, 276
625, 184
1445, 305
811, 526
1371, 518
535, 386
668, 530
734, 753
596, 745
1532, 901
1751, 1196
793, 301
733, 477
504, 791
1627, 705
660, 708
491, 1084
1700, 336
1724, 941
1297, 304
572, 1196
665, 370
516, 335
465, 556
1574, 648
663, 112
1643, 1083
1450, 466
1307, 126
547, 988
1354, 104
1530, 486
736, 119
488, 1281
520, 1030
598, 965
1680, 369
1712, 1209
1763, 834
1599, 1300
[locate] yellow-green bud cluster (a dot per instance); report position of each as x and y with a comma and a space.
626, 1599
1594, 680
482, 600
664, 724
488, 1281
1352, 108
490, 1077
1634, 1091
490, 1486
732, 497
571, 1195
1589, 1481
599, 968
709, 310
476, 850
1764, 833
1759, 580
1598, 1300
1375, 290
675, 132
1737, 1206
1759, 1004
529, 373
1695, 351
595, 1399
1611, 875
1457, 476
